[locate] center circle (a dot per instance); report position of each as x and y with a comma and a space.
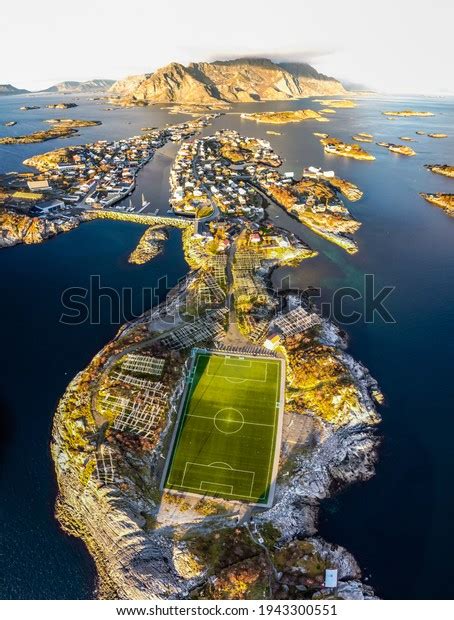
228, 420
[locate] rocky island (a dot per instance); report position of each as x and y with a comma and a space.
18, 228
335, 146
363, 137
315, 203
150, 245
408, 113
347, 188
61, 106
197, 109
443, 169
444, 201
337, 103
400, 149
63, 128
281, 118
437, 135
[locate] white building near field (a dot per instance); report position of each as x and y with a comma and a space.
331, 578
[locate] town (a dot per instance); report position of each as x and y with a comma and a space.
224, 175
235, 176
97, 175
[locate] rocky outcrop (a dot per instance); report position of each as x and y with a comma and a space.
400, 149
62, 128
363, 137
150, 245
282, 118
337, 103
61, 106
444, 201
443, 169
407, 113
347, 188
335, 146
16, 228
49, 160
242, 80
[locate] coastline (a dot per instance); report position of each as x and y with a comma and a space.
143, 551
346, 456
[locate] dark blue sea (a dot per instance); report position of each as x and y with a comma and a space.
399, 524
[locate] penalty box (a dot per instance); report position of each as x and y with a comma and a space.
238, 367
218, 477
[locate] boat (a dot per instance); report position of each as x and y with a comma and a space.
145, 203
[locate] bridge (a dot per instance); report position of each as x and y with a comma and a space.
141, 218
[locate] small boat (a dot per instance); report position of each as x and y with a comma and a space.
145, 203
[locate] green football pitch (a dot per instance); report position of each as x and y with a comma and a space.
227, 434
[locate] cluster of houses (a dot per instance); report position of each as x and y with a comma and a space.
188, 195
100, 174
307, 201
201, 176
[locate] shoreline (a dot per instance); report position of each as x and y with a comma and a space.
113, 582
140, 561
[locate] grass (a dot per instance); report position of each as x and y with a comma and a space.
226, 438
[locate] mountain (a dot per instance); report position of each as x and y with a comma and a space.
233, 81
69, 87
128, 85
8, 89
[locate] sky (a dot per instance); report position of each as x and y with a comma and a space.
392, 46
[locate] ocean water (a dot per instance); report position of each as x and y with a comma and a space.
398, 525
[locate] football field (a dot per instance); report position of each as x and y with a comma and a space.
227, 436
